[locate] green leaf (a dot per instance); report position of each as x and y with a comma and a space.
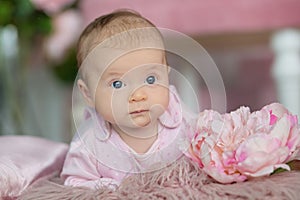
6, 12
24, 9
43, 24
67, 70
278, 170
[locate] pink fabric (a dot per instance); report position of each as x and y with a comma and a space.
94, 163
24, 159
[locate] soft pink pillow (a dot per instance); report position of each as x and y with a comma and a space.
24, 159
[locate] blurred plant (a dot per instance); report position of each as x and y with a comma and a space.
60, 45
51, 27
29, 20
33, 33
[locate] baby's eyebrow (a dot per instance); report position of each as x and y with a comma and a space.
156, 66
149, 67
113, 73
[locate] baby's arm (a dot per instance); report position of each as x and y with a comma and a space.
80, 169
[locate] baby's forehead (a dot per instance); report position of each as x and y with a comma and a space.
105, 60
139, 57
140, 60
129, 40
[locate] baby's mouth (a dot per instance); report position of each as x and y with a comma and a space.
139, 111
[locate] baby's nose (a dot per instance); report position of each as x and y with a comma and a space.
138, 95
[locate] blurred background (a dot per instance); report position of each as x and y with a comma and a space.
255, 45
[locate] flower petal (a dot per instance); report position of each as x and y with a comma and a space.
281, 130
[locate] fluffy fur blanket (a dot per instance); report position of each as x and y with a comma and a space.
181, 180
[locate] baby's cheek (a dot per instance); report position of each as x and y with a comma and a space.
104, 109
164, 101
160, 106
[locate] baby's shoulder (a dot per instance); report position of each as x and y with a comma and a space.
90, 131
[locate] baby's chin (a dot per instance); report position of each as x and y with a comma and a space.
141, 120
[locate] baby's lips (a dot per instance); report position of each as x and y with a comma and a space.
138, 111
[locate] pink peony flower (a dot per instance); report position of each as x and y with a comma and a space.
67, 28
236, 146
51, 6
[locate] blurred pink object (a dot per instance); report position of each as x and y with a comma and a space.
205, 17
24, 159
67, 28
51, 6
236, 146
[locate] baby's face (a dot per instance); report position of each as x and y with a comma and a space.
133, 91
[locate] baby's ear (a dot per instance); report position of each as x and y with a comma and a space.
85, 92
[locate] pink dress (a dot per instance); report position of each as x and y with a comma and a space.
95, 160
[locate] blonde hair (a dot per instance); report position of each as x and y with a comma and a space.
111, 24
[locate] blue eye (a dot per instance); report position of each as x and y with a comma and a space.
117, 84
150, 79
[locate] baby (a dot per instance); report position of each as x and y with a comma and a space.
134, 118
